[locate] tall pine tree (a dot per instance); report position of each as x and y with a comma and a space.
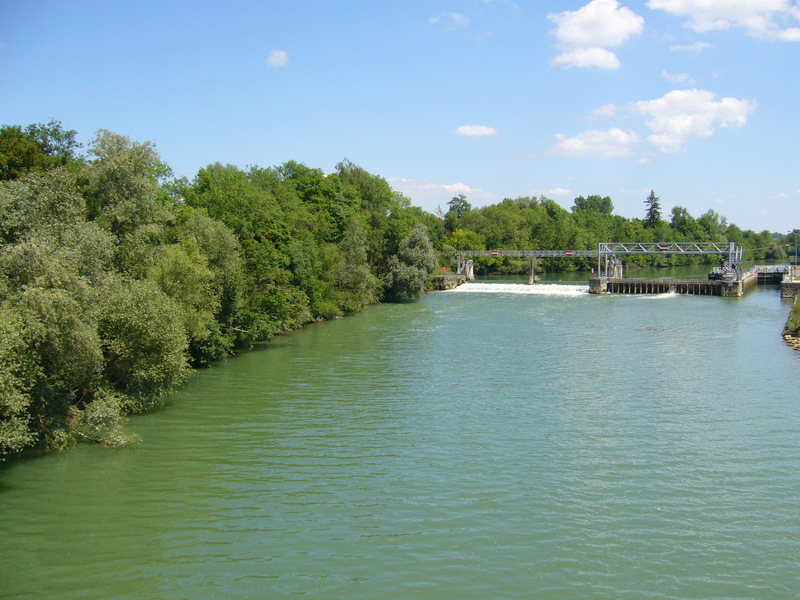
653, 212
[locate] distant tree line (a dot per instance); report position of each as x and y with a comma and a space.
116, 278
542, 224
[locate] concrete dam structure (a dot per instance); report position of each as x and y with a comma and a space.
726, 280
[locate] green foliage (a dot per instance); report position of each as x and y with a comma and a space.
16, 381
39, 200
463, 239
596, 204
61, 337
144, 342
35, 149
409, 269
101, 420
121, 185
793, 324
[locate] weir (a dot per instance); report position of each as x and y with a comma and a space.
727, 280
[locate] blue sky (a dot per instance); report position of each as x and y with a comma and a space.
695, 99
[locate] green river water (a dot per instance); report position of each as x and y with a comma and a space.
496, 441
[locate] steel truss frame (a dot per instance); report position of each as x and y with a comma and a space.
607, 252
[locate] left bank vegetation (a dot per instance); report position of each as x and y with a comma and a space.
116, 278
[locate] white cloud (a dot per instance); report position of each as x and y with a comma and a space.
673, 120
682, 115
278, 58
475, 130
587, 58
585, 35
613, 143
758, 17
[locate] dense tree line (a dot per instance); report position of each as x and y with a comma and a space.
116, 278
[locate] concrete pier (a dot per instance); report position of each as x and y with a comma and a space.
448, 281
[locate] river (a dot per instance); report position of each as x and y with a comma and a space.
495, 441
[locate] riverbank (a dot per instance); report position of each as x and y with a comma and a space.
791, 333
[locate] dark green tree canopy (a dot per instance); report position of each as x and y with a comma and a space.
459, 205
597, 204
36, 148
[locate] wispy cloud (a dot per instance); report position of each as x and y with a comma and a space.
431, 194
584, 35
277, 58
475, 130
603, 112
557, 191
677, 77
451, 21
760, 18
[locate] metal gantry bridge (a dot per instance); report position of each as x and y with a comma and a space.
608, 265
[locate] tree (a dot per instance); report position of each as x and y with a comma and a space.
16, 381
459, 205
19, 153
144, 342
686, 224
464, 239
598, 204
458, 208
39, 147
54, 140
714, 225
653, 209
122, 184
182, 273
357, 285
39, 200
409, 269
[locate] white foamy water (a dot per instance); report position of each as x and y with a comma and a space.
664, 296
538, 289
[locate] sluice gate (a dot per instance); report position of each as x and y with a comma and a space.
697, 287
